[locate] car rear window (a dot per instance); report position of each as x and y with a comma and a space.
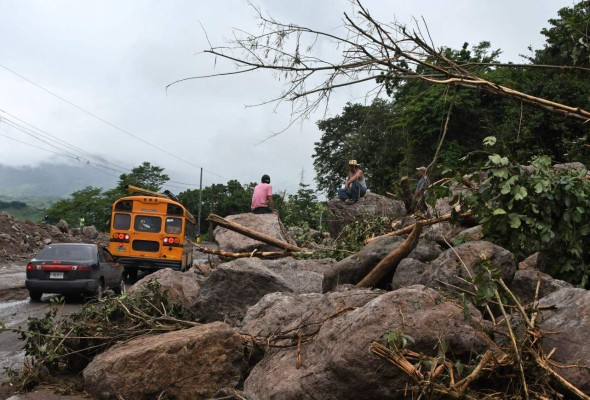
67, 253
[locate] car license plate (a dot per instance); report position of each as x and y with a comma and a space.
120, 248
56, 275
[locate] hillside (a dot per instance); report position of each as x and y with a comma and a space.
49, 180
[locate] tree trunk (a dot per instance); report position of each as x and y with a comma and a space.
391, 261
255, 253
232, 226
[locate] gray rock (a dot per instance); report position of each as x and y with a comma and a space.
524, 285
451, 269
90, 232
182, 287
565, 323
368, 207
355, 267
233, 287
468, 235
337, 364
267, 224
285, 312
187, 364
409, 272
302, 276
63, 226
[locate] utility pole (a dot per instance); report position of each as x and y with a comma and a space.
200, 202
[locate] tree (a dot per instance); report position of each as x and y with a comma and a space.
370, 51
146, 176
364, 133
89, 203
303, 209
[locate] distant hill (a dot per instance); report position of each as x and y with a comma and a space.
50, 180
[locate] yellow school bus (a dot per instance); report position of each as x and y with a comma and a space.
151, 230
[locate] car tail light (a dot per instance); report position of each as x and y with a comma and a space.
31, 267
81, 268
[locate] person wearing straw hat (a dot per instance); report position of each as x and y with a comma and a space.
421, 193
355, 186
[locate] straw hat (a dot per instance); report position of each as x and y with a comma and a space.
353, 163
423, 169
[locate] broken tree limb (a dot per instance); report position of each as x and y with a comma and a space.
408, 195
425, 222
232, 226
390, 261
255, 253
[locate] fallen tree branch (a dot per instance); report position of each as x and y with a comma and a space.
425, 222
232, 226
386, 265
255, 253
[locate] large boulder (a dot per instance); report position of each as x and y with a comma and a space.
302, 276
368, 207
565, 323
525, 281
286, 312
182, 287
186, 364
233, 287
268, 224
63, 226
90, 232
337, 363
454, 267
354, 268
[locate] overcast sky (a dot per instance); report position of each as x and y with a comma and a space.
113, 58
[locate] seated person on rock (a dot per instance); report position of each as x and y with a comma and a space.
262, 197
355, 186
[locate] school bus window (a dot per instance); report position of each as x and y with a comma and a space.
147, 223
173, 225
122, 221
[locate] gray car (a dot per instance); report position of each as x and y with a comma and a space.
73, 268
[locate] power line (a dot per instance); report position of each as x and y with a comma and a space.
59, 154
27, 131
107, 122
51, 137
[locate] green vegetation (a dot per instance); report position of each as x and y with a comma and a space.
537, 208
94, 205
67, 345
26, 208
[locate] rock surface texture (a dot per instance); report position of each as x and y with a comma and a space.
182, 287
188, 364
451, 269
565, 323
233, 287
337, 363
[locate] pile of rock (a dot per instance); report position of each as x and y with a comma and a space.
20, 240
299, 329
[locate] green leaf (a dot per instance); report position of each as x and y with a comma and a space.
500, 172
489, 140
499, 211
514, 220
519, 193
495, 158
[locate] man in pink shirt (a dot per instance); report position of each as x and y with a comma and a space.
262, 197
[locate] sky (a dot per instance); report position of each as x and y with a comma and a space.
93, 74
